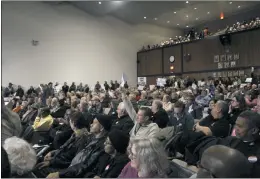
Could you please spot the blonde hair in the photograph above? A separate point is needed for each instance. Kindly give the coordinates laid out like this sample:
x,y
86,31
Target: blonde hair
x,y
151,157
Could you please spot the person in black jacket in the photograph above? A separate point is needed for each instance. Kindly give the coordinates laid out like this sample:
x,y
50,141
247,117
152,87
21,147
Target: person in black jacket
x,y
65,88
247,141
61,110
115,147
123,122
160,116
31,91
61,158
89,155
20,91
72,87
106,86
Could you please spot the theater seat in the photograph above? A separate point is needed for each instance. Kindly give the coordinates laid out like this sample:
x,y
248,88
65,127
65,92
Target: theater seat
x,y
41,137
177,171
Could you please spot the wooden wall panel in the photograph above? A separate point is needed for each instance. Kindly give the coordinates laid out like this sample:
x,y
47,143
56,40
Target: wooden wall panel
x,y
167,53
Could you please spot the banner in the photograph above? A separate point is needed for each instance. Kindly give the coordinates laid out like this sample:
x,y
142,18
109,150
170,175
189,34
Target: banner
x,y
141,81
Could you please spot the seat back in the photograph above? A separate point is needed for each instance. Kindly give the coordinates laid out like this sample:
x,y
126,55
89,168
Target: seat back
x,y
177,171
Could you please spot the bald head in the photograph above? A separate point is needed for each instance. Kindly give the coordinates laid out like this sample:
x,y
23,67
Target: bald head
x,y
223,162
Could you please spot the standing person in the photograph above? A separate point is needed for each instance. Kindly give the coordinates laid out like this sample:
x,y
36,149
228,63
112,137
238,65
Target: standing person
x,y
31,91
97,86
80,87
106,86
112,85
126,85
20,92
72,87
117,85
9,90
86,89
65,88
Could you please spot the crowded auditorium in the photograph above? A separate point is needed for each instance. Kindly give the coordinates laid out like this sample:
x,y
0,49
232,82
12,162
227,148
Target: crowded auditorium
x,y
130,89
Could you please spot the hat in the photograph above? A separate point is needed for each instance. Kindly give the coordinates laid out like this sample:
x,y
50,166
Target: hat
x,y
119,140
105,121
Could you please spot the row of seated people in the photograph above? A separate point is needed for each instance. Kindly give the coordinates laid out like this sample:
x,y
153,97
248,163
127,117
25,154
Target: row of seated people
x,y
192,35
84,150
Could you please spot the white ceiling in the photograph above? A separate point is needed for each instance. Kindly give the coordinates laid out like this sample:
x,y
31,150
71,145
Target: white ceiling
x,y
171,14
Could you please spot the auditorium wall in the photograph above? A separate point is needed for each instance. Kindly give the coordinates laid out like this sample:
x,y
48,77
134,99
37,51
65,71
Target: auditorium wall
x,y
73,45
206,57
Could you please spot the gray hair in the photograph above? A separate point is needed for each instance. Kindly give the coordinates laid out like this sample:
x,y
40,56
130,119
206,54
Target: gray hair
x,y
151,157
121,106
22,156
224,107
158,103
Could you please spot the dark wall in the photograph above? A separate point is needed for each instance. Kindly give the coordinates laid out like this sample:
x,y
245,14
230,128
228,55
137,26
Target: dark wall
x,y
246,45
149,63
172,51
244,53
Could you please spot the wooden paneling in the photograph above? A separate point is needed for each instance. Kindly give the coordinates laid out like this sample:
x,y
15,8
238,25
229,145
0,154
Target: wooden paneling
x,y
150,63
167,53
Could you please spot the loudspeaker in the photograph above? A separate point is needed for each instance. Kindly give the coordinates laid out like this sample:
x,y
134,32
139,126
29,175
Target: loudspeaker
x,y
225,39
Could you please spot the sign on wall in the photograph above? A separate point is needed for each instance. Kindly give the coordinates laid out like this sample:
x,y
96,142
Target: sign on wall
x,y
141,81
226,60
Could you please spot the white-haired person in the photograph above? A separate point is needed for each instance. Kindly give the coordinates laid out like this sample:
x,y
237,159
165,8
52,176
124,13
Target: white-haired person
x,y
22,157
123,121
148,159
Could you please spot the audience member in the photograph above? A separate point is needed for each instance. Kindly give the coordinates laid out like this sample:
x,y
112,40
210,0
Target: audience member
x,y
160,116
223,162
22,157
148,159
5,164
123,121
215,124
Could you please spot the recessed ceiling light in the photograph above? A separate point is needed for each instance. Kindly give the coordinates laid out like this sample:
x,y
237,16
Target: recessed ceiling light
x,y
195,8
178,24
144,17
238,6
197,18
175,12
99,2
187,2
168,22
208,12
230,2
187,16
187,26
155,19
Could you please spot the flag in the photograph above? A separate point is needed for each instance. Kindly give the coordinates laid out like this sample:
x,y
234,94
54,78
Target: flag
x,y
123,80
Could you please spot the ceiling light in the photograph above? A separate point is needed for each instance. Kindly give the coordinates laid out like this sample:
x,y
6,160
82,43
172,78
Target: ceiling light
x,y
187,2
175,12
178,24
208,12
155,18
195,8
144,17
230,2
187,16
197,18
238,6
187,26
99,2
168,22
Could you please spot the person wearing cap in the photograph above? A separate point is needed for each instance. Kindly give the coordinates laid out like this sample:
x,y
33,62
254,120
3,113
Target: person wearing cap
x,y
115,157
91,152
61,158
223,162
